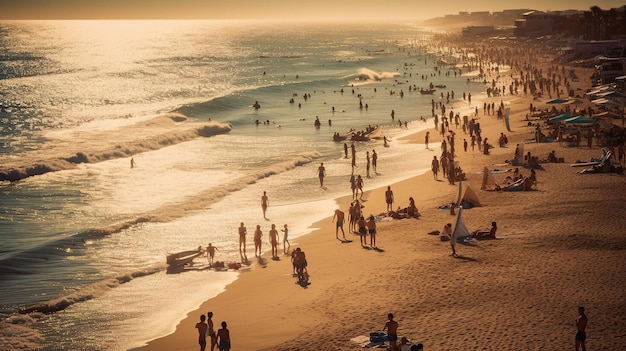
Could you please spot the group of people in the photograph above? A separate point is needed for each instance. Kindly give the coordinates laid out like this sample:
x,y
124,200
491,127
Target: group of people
x,y
221,338
273,239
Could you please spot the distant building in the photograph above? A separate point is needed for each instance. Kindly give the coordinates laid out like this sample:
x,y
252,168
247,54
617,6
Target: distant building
x,y
477,30
535,24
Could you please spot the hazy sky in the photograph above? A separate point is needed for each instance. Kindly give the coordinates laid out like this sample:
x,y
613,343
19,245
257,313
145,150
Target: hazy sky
x,y
274,9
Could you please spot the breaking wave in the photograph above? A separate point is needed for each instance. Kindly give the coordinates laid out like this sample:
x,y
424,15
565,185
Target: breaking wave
x,y
67,151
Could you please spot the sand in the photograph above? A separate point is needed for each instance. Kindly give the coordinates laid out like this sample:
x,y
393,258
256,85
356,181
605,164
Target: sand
x,y
558,247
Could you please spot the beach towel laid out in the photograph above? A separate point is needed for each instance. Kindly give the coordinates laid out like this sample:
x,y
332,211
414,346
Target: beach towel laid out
x,y
376,339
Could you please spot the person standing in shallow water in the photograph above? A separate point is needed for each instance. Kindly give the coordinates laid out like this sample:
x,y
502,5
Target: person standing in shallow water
x,y
321,172
274,241
258,234
286,244
374,160
242,239
264,203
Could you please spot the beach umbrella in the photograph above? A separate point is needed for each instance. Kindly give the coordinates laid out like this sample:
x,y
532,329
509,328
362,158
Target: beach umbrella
x,y
607,114
613,94
580,120
555,101
573,101
606,102
560,118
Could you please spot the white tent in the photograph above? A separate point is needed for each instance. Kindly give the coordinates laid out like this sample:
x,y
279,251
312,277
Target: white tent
x,y
460,230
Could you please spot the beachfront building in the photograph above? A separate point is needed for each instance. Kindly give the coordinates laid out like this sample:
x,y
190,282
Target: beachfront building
x,y
610,68
535,24
477,30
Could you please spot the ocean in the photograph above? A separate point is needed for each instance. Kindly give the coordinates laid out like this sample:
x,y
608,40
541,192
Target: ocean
x,y
85,239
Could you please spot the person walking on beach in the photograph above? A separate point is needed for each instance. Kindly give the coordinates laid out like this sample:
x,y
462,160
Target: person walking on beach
x,y
274,241
202,328
426,137
581,324
345,150
242,239
210,253
211,331
340,215
389,198
223,338
264,203
392,331
321,172
435,167
258,234
286,244
359,185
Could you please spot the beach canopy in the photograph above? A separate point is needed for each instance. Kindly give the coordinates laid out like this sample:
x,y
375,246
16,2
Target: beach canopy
x,y
600,89
607,114
580,120
607,94
460,230
556,101
471,197
573,101
606,102
560,117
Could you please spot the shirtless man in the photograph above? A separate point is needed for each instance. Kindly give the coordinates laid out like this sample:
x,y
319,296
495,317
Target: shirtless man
x,y
264,203
242,238
371,230
362,228
223,338
321,172
389,198
359,185
257,240
210,253
211,331
435,167
374,160
392,331
340,215
581,324
274,241
286,244
202,328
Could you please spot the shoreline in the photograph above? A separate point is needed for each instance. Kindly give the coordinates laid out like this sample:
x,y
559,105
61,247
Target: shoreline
x,y
550,246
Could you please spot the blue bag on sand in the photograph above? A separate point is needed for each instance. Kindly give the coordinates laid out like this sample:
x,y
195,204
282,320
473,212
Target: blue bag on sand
x,y
378,336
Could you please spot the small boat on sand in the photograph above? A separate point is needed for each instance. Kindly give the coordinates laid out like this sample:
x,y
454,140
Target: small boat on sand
x,y
182,258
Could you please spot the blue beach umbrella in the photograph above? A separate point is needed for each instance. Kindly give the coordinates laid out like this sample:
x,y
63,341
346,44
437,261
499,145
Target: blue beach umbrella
x,y
560,118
